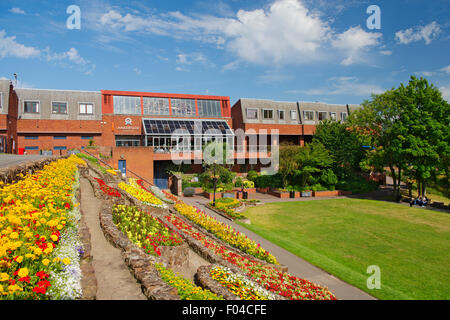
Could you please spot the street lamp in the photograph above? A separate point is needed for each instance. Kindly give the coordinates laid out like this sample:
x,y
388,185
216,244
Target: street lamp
x,y
215,182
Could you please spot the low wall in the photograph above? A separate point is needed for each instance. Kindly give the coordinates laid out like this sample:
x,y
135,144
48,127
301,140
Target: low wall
x,y
10,174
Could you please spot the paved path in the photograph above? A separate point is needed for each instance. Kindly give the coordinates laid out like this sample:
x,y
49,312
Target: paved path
x,y
297,266
7,160
114,280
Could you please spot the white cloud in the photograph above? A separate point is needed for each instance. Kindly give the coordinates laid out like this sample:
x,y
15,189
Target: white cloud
x,y
426,33
445,92
386,52
284,32
69,58
17,11
343,86
354,43
9,47
446,69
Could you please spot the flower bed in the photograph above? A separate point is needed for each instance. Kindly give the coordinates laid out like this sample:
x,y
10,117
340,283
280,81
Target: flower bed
x,y
142,195
146,231
224,232
268,277
39,244
107,189
226,206
186,289
239,285
160,194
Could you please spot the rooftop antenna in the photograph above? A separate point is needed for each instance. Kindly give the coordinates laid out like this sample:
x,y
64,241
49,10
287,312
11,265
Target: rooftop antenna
x,y
15,78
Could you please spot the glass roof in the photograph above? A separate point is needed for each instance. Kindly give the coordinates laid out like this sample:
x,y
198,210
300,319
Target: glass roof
x,y
163,127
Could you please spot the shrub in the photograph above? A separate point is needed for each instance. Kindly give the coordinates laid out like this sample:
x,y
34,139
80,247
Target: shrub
x,y
238,183
249,184
252,175
328,178
189,192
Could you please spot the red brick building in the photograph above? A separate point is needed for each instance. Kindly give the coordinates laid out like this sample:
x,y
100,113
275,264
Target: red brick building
x,y
140,133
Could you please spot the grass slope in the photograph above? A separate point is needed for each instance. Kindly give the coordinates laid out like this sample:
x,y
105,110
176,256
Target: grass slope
x,y
345,236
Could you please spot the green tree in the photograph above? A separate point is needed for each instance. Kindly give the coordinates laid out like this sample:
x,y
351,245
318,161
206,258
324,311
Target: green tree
x,y
409,128
344,145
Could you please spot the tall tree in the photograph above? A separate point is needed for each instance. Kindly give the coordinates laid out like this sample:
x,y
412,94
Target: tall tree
x,y
409,128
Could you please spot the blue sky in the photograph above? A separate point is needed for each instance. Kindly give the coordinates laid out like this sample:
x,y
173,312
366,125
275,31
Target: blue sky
x,y
287,50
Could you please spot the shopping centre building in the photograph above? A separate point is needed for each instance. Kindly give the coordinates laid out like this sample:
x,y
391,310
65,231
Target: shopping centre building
x,y
140,133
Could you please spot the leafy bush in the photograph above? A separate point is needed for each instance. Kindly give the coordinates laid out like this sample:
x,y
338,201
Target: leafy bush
x,y
252,175
249,184
238,183
189,192
357,184
328,178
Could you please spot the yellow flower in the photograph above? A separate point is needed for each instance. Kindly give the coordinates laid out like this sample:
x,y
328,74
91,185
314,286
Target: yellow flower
x,y
59,227
45,262
14,235
4,277
14,288
57,259
23,272
66,261
38,251
54,237
19,259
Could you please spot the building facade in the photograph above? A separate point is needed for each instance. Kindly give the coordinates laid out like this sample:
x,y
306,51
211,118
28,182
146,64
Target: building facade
x,y
140,132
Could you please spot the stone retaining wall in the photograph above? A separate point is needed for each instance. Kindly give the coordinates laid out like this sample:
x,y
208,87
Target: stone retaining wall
x,y
10,174
140,263
206,282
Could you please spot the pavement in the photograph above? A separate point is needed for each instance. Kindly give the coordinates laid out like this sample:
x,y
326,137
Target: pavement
x,y
7,160
114,280
296,265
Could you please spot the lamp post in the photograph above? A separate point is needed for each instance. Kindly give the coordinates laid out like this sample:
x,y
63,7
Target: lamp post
x,y
215,183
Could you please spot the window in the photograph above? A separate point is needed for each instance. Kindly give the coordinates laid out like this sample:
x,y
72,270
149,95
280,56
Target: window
x,y
333,116
281,114
156,106
1,100
32,148
322,115
60,148
87,138
293,115
59,107
86,108
309,115
267,114
183,107
128,141
344,116
60,137
31,107
252,114
31,137
127,105
209,108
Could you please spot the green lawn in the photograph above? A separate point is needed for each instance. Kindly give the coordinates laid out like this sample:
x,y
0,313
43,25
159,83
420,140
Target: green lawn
x,y
345,236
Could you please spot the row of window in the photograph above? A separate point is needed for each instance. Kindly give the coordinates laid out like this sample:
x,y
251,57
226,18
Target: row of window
x,y
30,148
268,114
160,106
57,107
58,137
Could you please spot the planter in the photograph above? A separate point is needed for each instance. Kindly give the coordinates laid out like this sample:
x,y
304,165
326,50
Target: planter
x,y
306,194
333,193
250,190
198,190
262,190
280,194
210,196
231,194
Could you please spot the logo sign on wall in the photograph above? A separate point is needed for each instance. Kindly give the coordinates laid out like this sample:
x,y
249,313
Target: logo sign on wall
x,y
128,125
